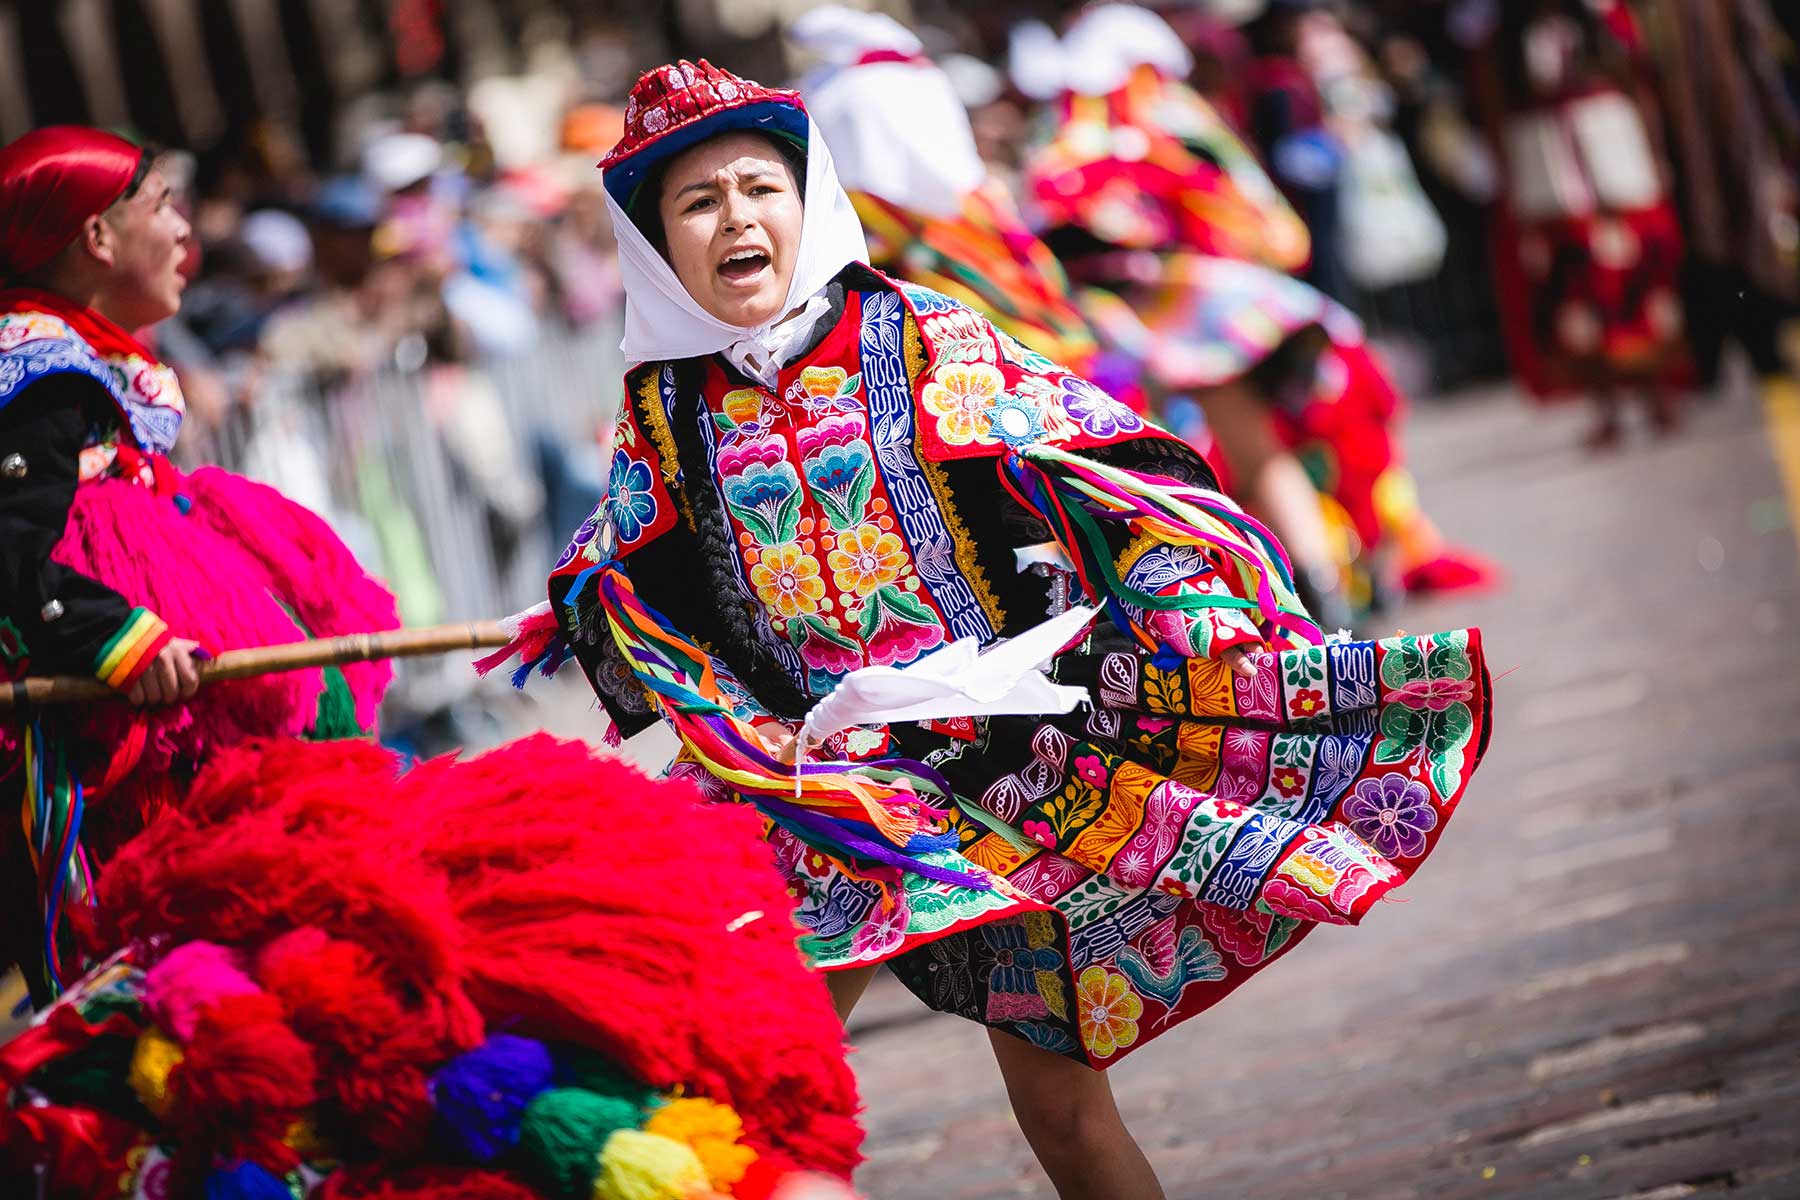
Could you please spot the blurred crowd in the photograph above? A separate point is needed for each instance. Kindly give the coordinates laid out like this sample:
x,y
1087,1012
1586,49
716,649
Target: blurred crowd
x,y
1593,195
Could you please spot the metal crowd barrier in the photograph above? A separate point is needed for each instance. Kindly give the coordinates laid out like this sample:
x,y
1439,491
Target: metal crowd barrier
x,y
450,481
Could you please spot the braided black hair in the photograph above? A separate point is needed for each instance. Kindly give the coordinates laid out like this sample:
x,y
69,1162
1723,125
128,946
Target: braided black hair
x,y
750,658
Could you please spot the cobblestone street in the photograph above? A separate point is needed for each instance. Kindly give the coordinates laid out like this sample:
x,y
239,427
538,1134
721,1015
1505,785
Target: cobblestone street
x,y
1593,989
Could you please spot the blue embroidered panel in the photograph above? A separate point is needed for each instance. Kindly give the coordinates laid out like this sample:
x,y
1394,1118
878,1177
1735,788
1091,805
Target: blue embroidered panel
x,y
891,417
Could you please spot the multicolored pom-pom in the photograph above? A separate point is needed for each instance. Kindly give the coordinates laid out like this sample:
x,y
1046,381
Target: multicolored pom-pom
x,y
645,1166
246,1181
712,1131
563,1133
481,1096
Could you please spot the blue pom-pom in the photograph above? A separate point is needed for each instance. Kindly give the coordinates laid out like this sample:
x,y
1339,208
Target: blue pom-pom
x,y
184,504
246,1181
481,1096
1166,659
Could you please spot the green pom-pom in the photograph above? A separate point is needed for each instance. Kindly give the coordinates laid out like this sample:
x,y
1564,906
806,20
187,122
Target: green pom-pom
x,y
592,1071
562,1135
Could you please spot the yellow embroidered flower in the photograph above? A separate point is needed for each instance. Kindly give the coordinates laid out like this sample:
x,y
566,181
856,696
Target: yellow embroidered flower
x,y
865,559
743,405
787,580
1109,1010
959,395
822,381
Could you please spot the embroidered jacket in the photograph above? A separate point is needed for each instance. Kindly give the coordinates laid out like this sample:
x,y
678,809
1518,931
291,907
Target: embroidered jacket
x,y
854,514
68,415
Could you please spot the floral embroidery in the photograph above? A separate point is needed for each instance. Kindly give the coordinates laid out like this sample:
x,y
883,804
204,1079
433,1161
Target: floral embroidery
x,y
787,580
1286,898
1109,1011
959,395
1431,684
632,502
841,479
897,627
1307,702
1090,770
821,390
1041,833
1023,980
866,559
1095,411
1288,781
1392,814
742,407
762,489
823,648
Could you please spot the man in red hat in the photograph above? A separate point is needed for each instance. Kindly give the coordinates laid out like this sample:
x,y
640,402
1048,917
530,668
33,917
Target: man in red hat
x,y
88,237
107,551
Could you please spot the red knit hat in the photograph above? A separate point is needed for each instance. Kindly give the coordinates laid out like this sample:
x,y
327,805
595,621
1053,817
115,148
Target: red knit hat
x,y
682,104
52,180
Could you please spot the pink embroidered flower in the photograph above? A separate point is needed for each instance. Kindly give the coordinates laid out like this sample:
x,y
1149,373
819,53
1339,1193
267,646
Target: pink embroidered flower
x,y
1041,833
1245,935
1436,694
1288,899
1307,702
1090,770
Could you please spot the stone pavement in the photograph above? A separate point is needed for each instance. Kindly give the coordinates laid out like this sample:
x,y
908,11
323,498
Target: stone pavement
x,y
1593,987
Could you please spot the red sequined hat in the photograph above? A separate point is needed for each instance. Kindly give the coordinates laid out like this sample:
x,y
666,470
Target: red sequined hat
x,y
684,103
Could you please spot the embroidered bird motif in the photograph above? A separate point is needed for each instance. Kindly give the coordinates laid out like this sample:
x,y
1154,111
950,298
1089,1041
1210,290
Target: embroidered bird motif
x,y
1194,960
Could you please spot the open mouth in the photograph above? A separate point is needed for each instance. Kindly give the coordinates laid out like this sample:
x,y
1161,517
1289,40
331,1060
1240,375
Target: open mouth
x,y
744,265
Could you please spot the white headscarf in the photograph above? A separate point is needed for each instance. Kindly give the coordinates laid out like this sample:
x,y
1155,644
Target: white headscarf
x,y
898,128
663,322
1097,54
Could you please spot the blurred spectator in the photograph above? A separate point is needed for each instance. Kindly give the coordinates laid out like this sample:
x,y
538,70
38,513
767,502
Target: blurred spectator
x,y
1588,250
1735,141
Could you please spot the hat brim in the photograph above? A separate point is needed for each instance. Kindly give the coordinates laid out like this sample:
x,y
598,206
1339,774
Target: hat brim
x,y
775,118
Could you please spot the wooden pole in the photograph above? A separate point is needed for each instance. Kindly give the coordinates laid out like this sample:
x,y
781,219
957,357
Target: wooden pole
x,y
266,660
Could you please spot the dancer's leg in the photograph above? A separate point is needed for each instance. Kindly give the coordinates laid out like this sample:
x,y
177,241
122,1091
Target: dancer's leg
x,y
847,988
1271,483
1073,1125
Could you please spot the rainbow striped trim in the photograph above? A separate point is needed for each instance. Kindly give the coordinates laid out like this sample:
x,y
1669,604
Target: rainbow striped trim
x,y
129,652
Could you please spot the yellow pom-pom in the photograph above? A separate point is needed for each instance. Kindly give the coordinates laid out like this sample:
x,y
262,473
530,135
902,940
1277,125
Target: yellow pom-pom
x,y
303,1138
155,1055
635,1165
712,1131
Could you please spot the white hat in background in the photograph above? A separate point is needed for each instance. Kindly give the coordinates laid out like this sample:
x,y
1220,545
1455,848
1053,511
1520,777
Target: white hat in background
x,y
277,240
394,161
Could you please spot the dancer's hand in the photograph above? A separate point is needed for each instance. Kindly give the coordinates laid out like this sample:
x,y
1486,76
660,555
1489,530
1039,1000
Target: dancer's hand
x,y
173,675
780,740
1239,661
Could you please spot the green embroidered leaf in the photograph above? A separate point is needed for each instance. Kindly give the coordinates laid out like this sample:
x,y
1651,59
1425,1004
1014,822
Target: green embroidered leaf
x,y
1402,663
849,386
1449,656
1402,729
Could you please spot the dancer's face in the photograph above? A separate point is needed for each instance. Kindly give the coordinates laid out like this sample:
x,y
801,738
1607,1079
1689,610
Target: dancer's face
x,y
731,215
142,240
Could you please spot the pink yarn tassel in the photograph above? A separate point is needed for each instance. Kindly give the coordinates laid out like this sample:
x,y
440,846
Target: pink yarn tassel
x,y
307,565
194,976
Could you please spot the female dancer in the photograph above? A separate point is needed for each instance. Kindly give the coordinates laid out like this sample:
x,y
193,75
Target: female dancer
x,y
819,469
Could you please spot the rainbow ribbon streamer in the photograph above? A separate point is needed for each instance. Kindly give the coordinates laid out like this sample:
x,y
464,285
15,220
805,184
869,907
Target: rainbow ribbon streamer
x,y
1073,494
871,817
52,819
